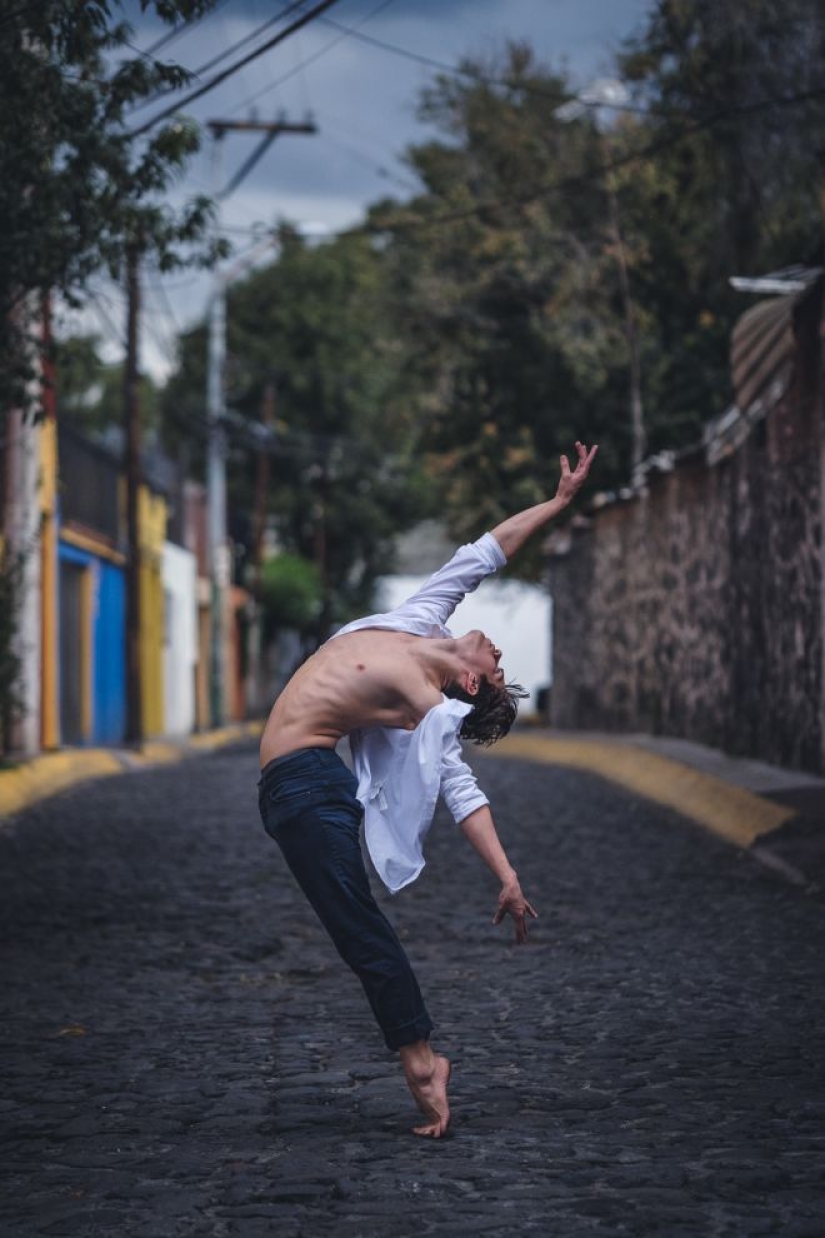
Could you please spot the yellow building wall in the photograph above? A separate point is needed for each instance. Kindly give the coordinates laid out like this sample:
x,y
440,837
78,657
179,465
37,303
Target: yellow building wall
x,y
152,533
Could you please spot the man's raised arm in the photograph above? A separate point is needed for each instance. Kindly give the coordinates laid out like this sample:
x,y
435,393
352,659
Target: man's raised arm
x,y
511,534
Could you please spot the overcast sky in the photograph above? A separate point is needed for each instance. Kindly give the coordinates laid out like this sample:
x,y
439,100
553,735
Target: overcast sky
x,y
362,98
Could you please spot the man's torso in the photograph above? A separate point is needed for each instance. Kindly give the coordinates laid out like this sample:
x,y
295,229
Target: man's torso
x,y
362,679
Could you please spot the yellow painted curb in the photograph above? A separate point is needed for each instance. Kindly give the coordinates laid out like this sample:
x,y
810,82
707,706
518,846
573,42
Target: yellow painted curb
x,y
45,775
735,814
224,735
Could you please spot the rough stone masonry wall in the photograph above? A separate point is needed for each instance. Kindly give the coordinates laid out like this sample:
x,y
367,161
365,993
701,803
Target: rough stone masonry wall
x,y
695,609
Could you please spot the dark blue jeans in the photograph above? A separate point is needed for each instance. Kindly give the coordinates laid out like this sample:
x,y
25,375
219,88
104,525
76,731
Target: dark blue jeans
x,y
308,805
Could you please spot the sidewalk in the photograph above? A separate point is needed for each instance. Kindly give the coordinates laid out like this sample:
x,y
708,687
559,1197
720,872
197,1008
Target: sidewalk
x,y
24,784
777,815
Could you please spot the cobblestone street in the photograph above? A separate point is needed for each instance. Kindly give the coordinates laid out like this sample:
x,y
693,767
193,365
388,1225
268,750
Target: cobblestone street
x,y
184,1054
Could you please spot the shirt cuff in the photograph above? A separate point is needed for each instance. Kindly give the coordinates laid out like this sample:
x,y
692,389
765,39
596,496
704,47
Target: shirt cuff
x,y
493,555
464,807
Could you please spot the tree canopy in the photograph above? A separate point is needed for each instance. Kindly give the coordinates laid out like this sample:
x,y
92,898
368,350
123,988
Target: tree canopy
x,y
442,356
345,476
76,189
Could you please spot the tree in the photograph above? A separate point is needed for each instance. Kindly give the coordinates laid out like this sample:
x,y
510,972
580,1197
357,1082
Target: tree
x,y
506,266
76,190
736,111
506,290
90,391
345,476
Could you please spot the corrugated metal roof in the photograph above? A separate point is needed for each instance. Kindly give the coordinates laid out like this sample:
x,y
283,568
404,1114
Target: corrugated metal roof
x,y
762,353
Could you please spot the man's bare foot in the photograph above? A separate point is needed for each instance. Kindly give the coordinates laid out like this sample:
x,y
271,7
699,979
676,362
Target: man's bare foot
x,y
429,1089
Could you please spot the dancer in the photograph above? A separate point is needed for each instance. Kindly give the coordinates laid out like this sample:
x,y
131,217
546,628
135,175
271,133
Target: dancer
x,y
405,691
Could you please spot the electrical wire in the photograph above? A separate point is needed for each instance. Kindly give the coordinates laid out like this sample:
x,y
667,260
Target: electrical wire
x,y
579,180
247,166
183,28
298,68
109,327
558,97
228,51
369,161
300,21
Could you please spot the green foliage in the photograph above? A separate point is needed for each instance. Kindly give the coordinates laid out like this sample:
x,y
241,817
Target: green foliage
x,y
506,264
480,327
508,294
290,594
75,189
736,98
344,473
11,705
90,392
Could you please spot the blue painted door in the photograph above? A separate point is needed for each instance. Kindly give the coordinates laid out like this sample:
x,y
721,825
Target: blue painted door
x,y
109,714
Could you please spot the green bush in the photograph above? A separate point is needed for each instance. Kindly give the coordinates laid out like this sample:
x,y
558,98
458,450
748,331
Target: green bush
x,y
290,594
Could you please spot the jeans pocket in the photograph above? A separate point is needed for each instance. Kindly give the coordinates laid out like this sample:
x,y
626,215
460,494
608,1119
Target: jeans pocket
x,y
278,809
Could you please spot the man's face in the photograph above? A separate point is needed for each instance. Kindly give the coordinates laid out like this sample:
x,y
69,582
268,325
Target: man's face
x,y
483,657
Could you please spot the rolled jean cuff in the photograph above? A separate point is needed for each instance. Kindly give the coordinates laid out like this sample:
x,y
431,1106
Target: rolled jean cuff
x,y
408,1033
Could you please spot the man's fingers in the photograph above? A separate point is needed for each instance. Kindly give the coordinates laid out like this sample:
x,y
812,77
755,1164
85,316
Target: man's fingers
x,y
585,459
565,466
499,916
532,910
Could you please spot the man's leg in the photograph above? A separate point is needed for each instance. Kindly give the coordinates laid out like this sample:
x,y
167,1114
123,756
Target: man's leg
x,y
322,849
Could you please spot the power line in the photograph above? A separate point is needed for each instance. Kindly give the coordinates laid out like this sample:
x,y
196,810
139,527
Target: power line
x,y
556,96
300,21
285,77
582,178
109,328
160,291
183,28
228,51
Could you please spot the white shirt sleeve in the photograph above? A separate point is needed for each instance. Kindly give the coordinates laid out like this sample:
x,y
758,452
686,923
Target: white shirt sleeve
x,y
438,597
461,792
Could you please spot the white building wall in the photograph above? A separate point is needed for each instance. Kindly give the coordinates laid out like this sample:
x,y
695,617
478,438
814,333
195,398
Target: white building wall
x,y
180,650
516,616
21,521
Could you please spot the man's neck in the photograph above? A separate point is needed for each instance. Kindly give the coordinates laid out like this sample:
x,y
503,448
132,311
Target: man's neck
x,y
440,662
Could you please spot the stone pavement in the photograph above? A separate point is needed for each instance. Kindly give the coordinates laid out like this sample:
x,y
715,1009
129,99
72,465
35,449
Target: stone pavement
x,y
183,1053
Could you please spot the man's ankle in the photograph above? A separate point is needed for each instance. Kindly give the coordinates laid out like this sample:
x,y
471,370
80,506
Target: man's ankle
x,y
418,1060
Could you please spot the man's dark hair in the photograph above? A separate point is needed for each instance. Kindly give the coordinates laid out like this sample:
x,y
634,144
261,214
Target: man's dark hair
x,y
493,713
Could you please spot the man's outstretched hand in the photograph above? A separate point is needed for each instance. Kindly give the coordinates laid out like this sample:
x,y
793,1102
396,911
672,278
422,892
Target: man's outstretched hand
x,y
511,902
571,482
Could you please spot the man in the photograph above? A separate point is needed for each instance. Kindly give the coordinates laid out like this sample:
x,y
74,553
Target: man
x,y
405,691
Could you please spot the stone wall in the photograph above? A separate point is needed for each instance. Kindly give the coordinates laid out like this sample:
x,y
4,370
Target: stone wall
x,y
695,608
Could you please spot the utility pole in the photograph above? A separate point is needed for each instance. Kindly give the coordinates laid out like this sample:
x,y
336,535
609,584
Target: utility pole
x,y
257,687
820,423
262,483
131,446
215,409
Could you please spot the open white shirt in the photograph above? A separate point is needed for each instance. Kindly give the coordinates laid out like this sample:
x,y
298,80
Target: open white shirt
x,y
400,773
